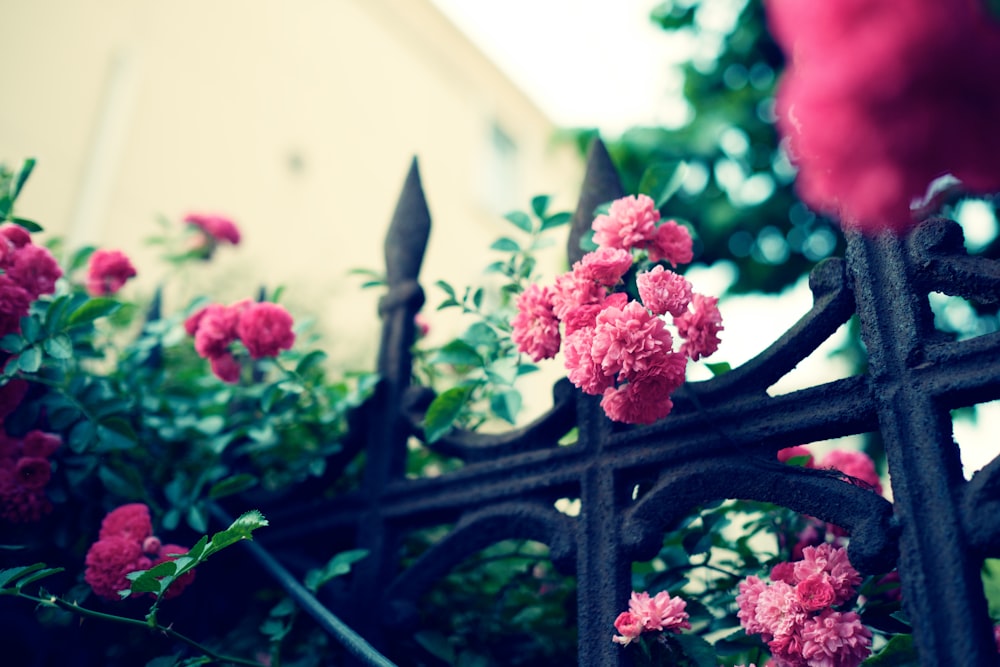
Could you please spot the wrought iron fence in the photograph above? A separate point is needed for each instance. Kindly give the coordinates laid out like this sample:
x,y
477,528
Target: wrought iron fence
x,y
719,442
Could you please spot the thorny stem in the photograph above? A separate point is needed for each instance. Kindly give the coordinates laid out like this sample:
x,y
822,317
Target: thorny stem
x,y
167,630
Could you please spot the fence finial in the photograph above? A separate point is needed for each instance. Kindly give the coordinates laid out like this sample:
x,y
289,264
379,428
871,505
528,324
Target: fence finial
x,y
600,184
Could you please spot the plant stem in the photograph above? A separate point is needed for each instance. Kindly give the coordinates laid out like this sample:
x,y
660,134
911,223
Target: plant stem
x,y
168,631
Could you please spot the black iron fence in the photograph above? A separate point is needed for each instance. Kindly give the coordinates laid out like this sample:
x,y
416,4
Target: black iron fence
x,y
719,442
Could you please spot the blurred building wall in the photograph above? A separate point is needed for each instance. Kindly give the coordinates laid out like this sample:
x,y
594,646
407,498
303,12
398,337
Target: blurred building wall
x,y
298,119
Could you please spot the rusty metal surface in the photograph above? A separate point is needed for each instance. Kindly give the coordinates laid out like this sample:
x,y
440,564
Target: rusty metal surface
x,y
719,442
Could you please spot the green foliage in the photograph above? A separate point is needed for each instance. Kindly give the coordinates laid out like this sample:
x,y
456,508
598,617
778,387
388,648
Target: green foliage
x,y
475,373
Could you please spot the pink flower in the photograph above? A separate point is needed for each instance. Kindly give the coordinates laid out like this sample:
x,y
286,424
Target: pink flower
x,y
778,610
35,269
226,367
109,270
218,227
854,464
108,560
575,289
664,291
700,327
266,329
129,521
746,601
835,639
881,98
584,371
660,612
672,243
536,327
629,341
643,401
833,562
784,571
37,443
815,593
586,316
605,266
630,221
630,627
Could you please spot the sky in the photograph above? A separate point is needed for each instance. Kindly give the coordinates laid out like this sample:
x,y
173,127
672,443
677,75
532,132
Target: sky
x,y
586,63
604,64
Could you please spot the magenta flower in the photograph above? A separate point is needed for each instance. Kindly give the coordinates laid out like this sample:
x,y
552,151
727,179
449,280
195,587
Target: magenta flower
x,y
584,371
630,222
125,544
109,270
130,521
664,291
108,561
44,445
778,610
798,451
35,269
33,472
265,329
226,367
700,327
826,559
536,327
15,303
642,400
219,228
574,289
660,612
16,235
215,330
875,102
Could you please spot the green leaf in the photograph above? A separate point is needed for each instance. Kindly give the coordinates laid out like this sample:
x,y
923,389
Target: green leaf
x,y
437,645
337,566
12,343
92,309
698,650
505,244
59,347
30,225
520,220
556,220
111,440
448,289
30,360
719,368
231,485
458,353
899,652
241,529
506,405
196,518
198,550
539,205
37,575
14,573
662,180
310,361
22,175
443,411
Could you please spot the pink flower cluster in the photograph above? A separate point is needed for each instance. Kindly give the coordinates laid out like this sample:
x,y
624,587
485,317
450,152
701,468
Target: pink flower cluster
x,y
795,612
650,614
28,271
109,270
264,329
881,97
126,544
615,347
25,469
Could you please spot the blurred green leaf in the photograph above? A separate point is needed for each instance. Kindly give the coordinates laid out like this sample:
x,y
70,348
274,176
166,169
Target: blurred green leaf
x,y
443,411
662,180
22,176
232,485
92,309
337,566
520,220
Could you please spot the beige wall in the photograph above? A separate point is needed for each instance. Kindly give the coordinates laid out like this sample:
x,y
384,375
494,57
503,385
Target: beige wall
x,y
296,118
